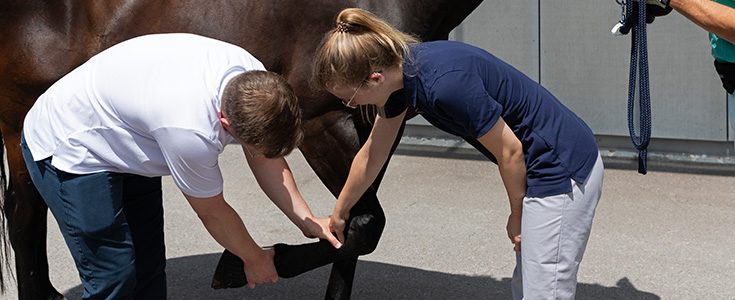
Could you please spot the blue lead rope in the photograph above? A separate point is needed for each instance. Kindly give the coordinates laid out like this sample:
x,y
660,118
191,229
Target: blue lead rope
x,y
638,61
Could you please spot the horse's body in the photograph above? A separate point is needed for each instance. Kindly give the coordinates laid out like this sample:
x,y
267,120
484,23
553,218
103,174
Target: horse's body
x,y
40,41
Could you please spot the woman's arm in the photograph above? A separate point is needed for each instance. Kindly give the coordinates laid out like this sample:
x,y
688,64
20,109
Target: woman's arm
x,y
712,16
508,150
365,168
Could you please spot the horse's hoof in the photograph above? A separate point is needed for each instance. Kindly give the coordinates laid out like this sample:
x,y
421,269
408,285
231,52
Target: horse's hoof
x,y
229,272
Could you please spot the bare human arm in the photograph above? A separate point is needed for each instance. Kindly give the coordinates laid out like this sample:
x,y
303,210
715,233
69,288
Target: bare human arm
x,y
276,180
712,16
365,168
227,228
508,150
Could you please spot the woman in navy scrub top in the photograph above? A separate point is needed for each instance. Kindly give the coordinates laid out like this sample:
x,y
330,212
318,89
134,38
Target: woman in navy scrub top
x,y
547,156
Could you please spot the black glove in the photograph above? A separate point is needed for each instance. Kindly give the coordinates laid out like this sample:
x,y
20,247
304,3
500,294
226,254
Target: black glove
x,y
656,8
659,3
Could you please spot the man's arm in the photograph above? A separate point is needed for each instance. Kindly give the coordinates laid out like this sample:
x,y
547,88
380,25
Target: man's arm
x,y
712,16
276,180
227,228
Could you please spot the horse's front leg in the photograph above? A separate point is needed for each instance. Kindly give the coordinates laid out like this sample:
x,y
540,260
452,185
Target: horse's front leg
x,y
330,144
26,214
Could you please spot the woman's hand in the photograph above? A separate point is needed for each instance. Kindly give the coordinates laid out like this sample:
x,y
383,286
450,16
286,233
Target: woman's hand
x,y
319,228
337,225
514,231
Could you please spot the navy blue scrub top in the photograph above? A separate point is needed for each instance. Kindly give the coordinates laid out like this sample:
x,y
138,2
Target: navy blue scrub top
x,y
463,90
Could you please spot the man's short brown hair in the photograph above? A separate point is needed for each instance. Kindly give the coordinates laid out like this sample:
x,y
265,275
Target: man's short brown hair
x,y
264,112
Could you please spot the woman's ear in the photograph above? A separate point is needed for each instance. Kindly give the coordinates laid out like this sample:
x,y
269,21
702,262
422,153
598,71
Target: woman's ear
x,y
377,77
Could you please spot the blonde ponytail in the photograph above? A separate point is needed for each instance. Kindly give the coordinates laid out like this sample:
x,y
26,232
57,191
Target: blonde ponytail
x,y
360,44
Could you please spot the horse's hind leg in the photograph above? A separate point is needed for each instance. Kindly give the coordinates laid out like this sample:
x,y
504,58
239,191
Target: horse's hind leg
x,y
26,214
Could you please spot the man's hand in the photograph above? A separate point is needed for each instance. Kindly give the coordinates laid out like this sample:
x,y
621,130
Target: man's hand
x,y
337,225
514,231
260,269
319,228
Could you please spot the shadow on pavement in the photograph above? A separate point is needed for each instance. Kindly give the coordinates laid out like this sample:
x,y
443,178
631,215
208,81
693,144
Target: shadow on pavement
x,y
189,278
621,163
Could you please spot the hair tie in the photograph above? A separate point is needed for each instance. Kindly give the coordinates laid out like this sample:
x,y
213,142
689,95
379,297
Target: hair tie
x,y
342,27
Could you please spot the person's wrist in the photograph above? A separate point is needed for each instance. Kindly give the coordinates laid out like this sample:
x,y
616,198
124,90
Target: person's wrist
x,y
339,214
305,224
251,255
307,218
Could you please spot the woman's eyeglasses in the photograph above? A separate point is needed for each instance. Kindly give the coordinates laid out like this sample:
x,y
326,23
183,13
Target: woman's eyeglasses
x,y
349,102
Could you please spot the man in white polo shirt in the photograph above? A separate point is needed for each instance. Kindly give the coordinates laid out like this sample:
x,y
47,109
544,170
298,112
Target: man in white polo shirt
x,y
97,142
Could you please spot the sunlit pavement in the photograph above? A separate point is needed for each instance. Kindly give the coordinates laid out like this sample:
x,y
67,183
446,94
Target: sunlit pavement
x,y
663,235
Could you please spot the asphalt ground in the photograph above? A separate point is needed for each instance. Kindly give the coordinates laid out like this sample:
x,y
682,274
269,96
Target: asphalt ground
x,y
664,235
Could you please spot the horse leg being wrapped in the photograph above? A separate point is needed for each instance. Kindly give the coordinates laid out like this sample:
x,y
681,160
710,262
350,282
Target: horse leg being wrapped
x,y
367,221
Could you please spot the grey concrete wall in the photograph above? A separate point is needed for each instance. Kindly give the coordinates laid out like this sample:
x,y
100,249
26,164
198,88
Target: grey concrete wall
x,y
587,68
566,45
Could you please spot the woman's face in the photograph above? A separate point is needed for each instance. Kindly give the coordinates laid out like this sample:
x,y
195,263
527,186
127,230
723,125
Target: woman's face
x,y
374,90
362,94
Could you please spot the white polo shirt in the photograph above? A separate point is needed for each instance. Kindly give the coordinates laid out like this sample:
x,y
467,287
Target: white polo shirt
x,y
148,106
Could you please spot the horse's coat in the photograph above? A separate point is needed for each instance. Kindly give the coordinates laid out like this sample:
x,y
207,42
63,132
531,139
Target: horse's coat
x,y
40,41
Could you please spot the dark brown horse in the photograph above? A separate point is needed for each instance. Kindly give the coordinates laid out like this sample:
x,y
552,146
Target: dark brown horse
x,y
42,40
